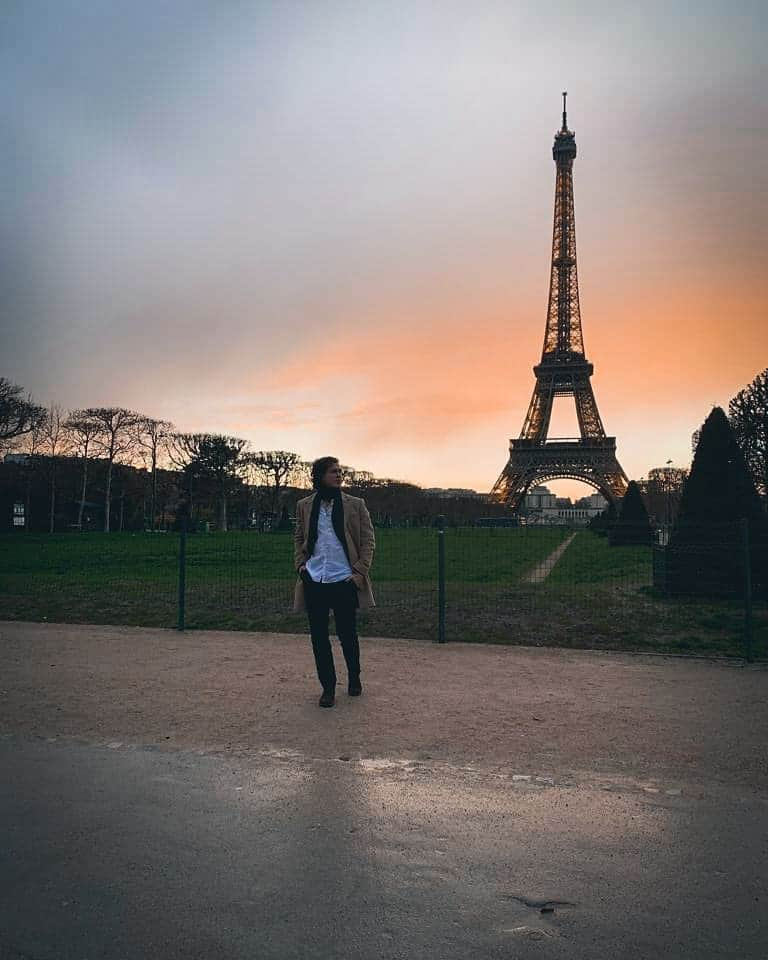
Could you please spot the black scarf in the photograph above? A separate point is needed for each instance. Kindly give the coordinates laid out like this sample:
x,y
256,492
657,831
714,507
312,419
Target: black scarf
x,y
337,518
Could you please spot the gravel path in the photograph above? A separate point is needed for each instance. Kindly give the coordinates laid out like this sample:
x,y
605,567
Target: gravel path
x,y
525,709
184,796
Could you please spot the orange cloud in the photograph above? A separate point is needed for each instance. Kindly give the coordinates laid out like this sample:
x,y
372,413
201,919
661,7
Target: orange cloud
x,y
426,380
416,383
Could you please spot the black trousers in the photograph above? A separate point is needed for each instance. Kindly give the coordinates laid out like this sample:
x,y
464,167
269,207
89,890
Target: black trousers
x,y
341,597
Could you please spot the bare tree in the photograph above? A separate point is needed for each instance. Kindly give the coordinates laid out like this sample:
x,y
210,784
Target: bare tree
x,y
662,492
253,481
347,474
183,454
214,456
18,415
274,467
359,479
152,437
83,431
55,442
115,439
301,475
167,493
748,416
129,485
222,460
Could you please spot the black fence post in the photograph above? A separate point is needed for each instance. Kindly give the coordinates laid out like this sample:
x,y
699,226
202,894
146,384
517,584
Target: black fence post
x,y
441,579
747,591
183,514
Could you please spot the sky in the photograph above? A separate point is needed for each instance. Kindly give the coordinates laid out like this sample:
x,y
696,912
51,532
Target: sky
x,y
326,226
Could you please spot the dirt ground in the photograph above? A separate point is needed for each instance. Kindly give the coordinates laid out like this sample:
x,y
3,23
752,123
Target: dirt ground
x,y
555,711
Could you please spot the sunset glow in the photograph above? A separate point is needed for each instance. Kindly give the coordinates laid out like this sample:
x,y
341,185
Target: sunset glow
x,y
327,228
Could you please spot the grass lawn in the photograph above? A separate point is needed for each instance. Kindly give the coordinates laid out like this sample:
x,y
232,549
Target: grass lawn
x,y
595,596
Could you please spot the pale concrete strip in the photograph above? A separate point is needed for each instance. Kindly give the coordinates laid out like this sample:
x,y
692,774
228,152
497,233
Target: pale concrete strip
x,y
542,570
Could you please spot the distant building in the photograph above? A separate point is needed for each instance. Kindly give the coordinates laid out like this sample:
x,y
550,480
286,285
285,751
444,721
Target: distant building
x,y
570,515
542,507
15,458
595,501
539,498
446,492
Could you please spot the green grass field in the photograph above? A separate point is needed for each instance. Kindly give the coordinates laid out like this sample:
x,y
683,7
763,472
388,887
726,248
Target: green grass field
x,y
595,596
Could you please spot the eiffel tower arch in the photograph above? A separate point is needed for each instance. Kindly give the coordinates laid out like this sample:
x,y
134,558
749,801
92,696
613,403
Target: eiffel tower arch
x,y
564,370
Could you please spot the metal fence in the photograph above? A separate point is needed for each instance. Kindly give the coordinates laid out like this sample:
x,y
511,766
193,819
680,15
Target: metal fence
x,y
557,585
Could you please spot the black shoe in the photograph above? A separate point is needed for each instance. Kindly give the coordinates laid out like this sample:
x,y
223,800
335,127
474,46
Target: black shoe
x,y
355,688
328,698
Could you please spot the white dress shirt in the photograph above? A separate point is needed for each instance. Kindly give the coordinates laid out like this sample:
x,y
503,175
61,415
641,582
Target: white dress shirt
x,y
328,562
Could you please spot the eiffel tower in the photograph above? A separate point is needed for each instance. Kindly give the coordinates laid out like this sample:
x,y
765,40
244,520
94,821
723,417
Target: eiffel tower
x,y
563,371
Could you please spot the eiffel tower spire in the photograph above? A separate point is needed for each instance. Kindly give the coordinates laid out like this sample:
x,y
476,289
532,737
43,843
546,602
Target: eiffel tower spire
x,y
563,334
563,370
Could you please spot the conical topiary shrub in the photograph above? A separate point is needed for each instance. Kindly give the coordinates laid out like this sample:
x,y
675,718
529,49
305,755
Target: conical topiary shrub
x,y
602,523
632,524
705,555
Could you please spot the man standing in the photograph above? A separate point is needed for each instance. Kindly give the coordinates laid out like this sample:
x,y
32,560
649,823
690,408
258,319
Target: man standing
x,y
333,551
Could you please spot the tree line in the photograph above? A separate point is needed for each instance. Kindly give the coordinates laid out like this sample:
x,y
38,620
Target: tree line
x,y
148,466
87,452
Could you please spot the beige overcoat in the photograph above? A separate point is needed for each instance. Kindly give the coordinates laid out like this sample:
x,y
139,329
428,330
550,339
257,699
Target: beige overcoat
x,y
361,543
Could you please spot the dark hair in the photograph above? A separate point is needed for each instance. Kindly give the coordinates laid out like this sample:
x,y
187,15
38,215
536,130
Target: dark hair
x,y
319,467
